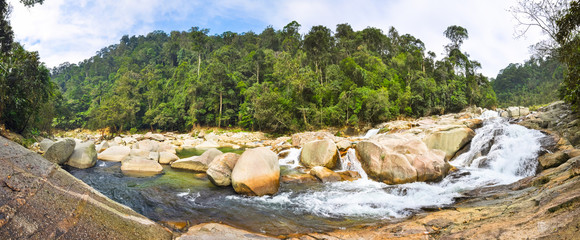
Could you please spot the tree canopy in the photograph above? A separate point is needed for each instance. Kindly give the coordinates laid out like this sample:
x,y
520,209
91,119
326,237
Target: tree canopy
x,y
277,80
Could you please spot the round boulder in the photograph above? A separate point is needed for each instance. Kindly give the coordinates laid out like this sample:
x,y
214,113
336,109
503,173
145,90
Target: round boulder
x,y
257,172
60,151
141,166
83,156
320,153
449,140
220,169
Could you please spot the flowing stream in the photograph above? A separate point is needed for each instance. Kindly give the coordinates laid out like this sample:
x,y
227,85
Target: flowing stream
x,y
500,153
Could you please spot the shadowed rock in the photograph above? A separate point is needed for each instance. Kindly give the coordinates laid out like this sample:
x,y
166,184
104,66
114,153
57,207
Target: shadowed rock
x,y
39,200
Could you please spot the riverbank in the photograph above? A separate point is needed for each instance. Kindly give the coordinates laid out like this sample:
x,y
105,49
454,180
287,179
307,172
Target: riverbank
x,y
547,199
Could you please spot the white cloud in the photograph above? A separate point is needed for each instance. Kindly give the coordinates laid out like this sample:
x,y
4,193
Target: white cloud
x,y
67,30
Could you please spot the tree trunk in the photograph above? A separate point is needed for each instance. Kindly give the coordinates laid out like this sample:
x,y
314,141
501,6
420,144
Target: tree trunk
x,y
198,64
220,116
257,73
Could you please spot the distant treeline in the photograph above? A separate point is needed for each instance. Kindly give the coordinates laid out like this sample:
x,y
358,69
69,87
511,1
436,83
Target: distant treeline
x,y
278,80
535,82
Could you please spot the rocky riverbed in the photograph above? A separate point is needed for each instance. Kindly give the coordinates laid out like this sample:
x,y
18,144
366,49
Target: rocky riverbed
x,y
398,152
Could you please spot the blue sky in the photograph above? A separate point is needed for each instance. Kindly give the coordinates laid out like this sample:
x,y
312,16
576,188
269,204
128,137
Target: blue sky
x,y
73,30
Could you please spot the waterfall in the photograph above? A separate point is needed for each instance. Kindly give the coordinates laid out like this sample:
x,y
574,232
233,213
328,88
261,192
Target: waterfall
x,y
351,163
372,132
504,148
292,159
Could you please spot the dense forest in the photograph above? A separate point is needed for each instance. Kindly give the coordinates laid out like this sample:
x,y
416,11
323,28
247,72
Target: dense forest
x,y
535,82
278,80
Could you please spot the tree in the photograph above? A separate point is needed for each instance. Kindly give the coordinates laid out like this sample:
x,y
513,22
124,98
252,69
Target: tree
x,y
569,52
541,14
318,44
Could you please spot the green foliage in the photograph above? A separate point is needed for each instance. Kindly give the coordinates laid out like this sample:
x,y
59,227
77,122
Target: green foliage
x,y
569,53
278,80
535,82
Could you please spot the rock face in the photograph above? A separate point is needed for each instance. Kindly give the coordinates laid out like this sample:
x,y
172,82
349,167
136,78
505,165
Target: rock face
x,y
400,158
257,172
60,151
114,154
320,153
220,169
41,201
83,156
557,117
449,140
324,174
197,163
211,231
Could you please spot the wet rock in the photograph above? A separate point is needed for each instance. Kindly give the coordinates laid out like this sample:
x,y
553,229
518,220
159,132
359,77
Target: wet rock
x,y
83,156
210,231
349,175
449,140
167,157
60,151
197,163
320,153
550,160
220,169
324,174
257,172
298,178
42,201
343,145
114,154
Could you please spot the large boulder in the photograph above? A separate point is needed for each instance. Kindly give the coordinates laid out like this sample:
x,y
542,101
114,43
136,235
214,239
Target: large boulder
x,y
382,164
197,163
324,174
114,154
83,156
320,153
141,166
400,158
220,169
42,201
257,172
167,157
60,151
449,139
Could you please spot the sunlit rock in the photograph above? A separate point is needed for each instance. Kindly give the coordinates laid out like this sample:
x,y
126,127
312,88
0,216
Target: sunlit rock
x,y
257,172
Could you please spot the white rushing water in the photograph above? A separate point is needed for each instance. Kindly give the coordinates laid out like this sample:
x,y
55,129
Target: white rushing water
x,y
500,153
292,159
372,132
351,163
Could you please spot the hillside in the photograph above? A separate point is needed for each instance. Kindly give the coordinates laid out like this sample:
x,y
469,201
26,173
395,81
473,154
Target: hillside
x,y
535,82
278,80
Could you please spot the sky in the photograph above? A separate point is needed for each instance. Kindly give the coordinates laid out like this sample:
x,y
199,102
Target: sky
x,y
74,30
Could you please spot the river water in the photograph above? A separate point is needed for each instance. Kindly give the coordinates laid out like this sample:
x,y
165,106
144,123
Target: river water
x,y
500,153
